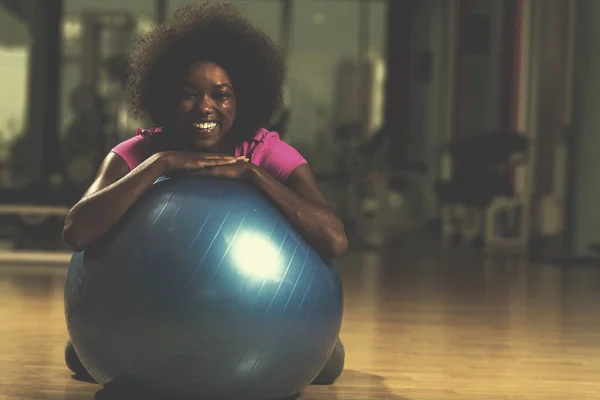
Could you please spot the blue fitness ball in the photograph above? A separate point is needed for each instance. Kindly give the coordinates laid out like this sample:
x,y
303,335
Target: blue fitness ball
x,y
204,289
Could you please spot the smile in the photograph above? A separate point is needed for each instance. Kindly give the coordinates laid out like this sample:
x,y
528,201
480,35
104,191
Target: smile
x,y
205,126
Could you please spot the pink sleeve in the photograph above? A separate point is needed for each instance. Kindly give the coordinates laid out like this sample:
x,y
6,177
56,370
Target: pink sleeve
x,y
277,157
134,151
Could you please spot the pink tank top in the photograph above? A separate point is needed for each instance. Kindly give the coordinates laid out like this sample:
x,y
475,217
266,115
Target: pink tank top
x,y
265,150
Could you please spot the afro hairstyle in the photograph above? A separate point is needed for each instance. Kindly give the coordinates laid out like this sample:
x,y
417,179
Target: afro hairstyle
x,y
207,31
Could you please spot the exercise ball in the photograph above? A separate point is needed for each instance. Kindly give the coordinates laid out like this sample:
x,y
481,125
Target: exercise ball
x,y
203,289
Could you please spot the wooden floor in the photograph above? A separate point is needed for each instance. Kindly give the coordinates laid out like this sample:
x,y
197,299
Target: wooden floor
x,y
416,327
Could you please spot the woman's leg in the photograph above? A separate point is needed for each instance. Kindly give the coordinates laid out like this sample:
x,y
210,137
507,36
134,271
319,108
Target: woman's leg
x,y
75,365
334,367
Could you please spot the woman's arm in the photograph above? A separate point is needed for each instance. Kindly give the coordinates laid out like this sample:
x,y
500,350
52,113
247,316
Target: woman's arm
x,y
306,208
114,190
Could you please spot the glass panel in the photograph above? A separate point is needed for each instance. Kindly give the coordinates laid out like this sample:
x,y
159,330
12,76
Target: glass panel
x,y
97,39
377,26
330,82
15,48
264,13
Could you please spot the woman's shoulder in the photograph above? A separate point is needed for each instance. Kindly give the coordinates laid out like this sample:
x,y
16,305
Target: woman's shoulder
x,y
275,155
266,140
139,147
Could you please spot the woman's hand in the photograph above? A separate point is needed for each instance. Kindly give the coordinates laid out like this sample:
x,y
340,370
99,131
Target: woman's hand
x,y
241,170
183,161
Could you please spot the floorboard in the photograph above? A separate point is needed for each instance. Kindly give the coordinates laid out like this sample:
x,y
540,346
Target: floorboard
x,y
418,327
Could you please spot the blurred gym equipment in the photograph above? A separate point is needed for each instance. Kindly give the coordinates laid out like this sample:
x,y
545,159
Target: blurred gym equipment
x,y
479,200
370,179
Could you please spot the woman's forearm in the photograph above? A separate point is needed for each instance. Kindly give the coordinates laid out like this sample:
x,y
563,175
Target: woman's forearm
x,y
319,224
95,214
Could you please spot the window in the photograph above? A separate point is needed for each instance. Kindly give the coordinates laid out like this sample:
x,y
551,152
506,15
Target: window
x,y
329,42
97,39
15,49
264,13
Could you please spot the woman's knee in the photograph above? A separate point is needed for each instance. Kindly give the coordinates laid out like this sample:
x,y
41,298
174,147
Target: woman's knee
x,y
334,366
74,363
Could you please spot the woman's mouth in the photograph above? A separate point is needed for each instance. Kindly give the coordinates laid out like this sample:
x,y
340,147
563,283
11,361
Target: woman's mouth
x,y
205,127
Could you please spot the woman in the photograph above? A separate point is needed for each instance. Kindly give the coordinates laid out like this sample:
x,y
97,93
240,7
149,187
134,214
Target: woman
x,y
209,81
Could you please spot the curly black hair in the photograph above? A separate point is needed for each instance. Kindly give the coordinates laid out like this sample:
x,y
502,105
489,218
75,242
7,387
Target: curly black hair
x,y
207,31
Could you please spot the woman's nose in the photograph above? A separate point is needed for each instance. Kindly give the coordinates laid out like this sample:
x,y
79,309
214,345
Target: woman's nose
x,y
206,104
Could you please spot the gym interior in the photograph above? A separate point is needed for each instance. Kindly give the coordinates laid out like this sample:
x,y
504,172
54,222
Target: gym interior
x,y
451,137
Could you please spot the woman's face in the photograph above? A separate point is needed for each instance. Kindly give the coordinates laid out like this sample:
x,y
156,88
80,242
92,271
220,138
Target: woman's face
x,y
206,105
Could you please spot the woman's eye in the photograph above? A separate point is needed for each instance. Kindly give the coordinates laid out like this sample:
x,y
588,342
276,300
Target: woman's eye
x,y
224,95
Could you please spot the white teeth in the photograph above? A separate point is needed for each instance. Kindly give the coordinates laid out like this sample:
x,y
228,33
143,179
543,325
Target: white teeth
x,y
206,126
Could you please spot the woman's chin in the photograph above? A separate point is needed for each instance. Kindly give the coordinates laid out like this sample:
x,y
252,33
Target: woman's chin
x,y
200,140
206,143
203,141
